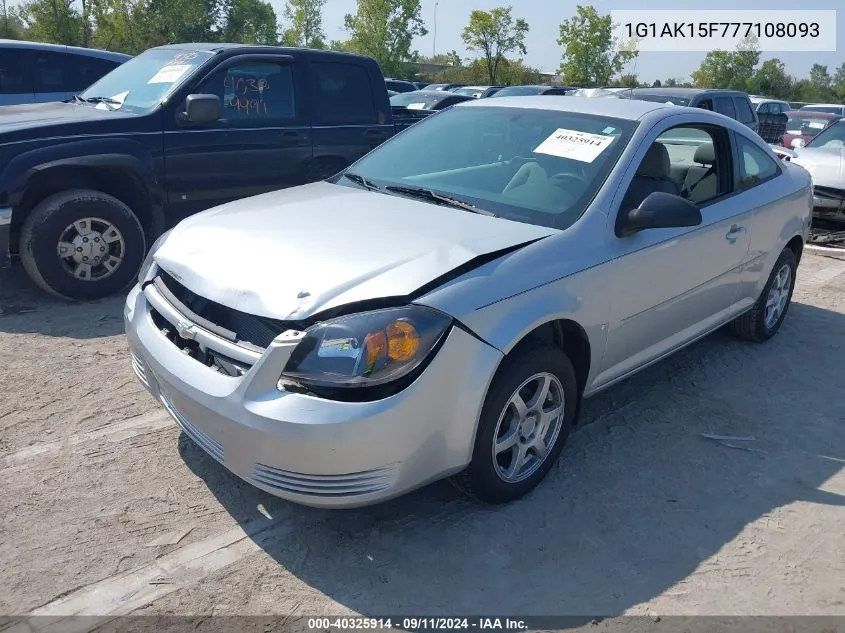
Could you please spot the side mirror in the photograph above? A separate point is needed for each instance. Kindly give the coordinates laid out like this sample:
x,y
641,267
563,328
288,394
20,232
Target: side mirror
x,y
659,211
202,109
797,143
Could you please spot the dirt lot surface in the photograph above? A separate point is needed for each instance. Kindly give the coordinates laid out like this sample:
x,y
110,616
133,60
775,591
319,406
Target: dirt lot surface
x,y
642,515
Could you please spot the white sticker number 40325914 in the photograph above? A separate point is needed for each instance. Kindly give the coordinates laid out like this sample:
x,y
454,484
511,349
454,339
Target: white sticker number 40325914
x,y
575,145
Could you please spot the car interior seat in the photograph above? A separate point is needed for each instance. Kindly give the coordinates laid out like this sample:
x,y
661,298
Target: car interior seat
x,y
653,175
701,181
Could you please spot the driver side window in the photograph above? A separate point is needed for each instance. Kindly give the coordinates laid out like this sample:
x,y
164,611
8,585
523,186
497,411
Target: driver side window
x,y
253,92
683,161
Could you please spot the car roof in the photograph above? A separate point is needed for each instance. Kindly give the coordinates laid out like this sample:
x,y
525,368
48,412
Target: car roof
x,y
430,94
630,110
755,99
824,105
683,92
222,47
61,48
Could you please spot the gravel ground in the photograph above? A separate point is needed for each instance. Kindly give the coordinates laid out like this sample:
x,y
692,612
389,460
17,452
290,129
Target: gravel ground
x,y
641,515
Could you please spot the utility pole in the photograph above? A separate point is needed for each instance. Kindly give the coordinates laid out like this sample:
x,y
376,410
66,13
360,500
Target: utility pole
x,y
434,45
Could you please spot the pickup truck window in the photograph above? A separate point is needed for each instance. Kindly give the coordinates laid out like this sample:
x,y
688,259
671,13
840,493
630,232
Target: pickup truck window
x,y
725,106
15,72
342,94
51,73
143,82
254,91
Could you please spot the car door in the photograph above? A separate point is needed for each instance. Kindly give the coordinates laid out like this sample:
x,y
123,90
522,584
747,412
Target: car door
x,y
769,209
669,286
262,143
17,85
345,120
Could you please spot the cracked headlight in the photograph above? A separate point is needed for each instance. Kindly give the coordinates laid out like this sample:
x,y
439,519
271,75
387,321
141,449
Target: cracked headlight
x,y
367,349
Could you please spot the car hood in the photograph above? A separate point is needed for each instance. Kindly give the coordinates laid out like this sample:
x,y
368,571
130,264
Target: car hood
x,y
25,117
294,253
826,166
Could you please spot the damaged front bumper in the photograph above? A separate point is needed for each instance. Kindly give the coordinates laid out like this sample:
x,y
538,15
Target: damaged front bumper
x,y
829,203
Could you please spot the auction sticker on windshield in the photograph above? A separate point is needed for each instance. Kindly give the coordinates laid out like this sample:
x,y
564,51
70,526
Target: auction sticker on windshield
x,y
575,145
169,74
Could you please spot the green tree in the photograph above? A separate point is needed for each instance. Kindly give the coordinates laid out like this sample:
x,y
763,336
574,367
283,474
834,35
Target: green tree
x,y
733,70
305,19
118,25
771,80
839,82
591,55
56,21
11,26
495,33
250,22
385,30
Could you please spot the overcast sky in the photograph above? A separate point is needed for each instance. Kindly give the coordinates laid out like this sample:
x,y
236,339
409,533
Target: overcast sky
x,y
545,16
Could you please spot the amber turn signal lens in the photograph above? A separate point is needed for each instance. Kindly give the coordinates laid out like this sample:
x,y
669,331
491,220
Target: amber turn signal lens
x,y
375,347
403,341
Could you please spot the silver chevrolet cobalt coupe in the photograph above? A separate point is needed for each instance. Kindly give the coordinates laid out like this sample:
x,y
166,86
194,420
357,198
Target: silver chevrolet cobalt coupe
x,y
441,307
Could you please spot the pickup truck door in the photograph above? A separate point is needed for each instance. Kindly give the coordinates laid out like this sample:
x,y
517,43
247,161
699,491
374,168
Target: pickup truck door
x,y
262,143
346,121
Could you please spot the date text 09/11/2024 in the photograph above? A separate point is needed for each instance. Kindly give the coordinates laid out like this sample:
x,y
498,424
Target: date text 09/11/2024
x,y
722,29
416,623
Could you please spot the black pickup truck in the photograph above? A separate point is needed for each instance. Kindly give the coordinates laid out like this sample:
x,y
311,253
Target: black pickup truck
x,y
87,184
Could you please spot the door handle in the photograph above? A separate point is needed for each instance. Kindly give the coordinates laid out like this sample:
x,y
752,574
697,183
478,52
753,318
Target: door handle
x,y
734,233
374,134
291,138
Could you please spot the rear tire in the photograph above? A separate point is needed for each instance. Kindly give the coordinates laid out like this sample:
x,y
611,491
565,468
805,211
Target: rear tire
x,y
82,244
506,428
764,319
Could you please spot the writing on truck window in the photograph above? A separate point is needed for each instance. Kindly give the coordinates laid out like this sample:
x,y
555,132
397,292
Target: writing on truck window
x,y
246,94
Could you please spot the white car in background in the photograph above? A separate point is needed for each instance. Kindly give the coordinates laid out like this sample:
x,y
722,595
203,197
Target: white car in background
x,y
831,108
824,157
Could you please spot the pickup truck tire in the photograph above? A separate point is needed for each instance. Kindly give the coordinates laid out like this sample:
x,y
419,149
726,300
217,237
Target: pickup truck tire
x,y
526,418
82,244
765,317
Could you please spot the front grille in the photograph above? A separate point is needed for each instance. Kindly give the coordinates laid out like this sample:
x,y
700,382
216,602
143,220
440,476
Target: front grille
x,y
829,192
348,485
237,326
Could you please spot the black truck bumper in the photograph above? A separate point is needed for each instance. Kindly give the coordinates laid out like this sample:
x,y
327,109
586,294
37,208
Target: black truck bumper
x,y
5,230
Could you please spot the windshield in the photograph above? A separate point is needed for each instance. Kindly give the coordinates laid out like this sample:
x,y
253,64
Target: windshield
x,y
416,100
806,125
832,137
144,81
541,167
516,91
468,92
828,109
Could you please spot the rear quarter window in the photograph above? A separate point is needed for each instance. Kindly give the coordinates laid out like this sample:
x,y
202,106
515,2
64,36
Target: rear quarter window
x,y
16,73
342,94
725,105
743,109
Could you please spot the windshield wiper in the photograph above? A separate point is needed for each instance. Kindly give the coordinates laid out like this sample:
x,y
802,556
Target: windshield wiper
x,y
360,180
75,99
428,194
106,100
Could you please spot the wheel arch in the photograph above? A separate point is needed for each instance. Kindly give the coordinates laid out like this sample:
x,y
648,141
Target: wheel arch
x,y
129,178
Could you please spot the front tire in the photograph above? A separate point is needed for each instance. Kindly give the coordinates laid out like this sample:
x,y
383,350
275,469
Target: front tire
x,y
764,319
82,244
526,418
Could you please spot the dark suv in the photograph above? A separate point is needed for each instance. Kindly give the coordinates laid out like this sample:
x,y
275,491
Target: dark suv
x,y
31,72
731,103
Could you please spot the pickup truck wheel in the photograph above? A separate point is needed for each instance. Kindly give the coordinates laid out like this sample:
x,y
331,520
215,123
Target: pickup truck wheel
x,y
82,244
525,420
764,319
